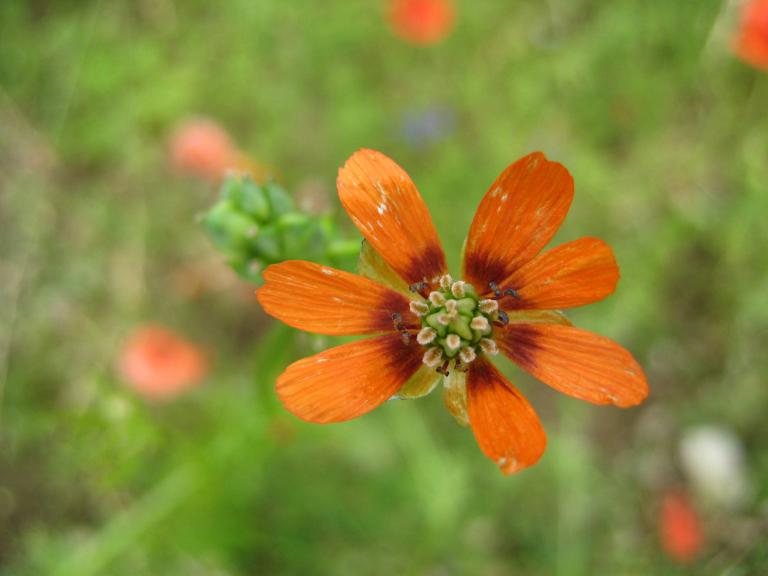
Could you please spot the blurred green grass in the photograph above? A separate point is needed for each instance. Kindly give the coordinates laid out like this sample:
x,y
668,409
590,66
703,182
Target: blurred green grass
x,y
666,136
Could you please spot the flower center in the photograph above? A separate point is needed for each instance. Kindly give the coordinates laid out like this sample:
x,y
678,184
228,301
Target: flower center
x,y
456,325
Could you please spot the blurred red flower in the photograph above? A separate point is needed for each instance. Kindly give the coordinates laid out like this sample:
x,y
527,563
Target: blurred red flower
x,y
422,21
751,43
159,364
203,148
680,527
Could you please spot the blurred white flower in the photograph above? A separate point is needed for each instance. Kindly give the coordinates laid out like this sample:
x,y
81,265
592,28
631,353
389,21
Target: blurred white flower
x,y
713,460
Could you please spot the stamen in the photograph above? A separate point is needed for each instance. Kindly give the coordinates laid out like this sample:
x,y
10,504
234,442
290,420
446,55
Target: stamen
x,y
419,308
433,357
457,289
453,342
479,323
503,318
451,306
437,298
511,292
495,289
467,355
489,346
446,281
418,287
426,336
444,368
488,306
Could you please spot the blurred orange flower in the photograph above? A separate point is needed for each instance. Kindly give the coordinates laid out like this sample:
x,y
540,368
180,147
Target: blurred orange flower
x,y
203,148
680,527
431,328
159,364
422,21
751,44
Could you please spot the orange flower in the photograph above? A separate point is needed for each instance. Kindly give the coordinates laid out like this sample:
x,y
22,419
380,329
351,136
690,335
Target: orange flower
x,y
203,148
159,364
751,43
432,327
680,528
422,21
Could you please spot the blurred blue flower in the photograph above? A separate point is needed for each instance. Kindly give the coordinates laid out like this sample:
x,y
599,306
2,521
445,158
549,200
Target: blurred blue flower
x,y
423,128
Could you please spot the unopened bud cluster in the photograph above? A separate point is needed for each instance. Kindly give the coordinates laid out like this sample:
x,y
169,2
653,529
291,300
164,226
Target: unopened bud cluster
x,y
255,225
455,323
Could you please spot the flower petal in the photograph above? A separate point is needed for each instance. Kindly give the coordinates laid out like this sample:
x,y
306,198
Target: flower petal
x,y
349,380
504,423
537,317
384,204
576,362
324,300
518,216
569,275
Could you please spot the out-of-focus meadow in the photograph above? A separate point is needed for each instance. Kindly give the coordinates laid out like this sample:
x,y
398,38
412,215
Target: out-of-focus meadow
x,y
665,131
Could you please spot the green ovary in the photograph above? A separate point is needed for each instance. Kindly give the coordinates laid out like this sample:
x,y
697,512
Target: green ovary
x,y
457,321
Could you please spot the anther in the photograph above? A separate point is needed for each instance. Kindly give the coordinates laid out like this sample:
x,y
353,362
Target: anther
x,y
419,308
397,321
418,287
479,323
489,346
452,342
488,306
503,318
433,357
445,282
495,289
513,293
436,298
426,336
467,355
457,289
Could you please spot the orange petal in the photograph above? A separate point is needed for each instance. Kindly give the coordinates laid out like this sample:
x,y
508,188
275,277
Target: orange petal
x,y
518,216
576,362
385,206
504,423
537,317
572,274
349,380
324,300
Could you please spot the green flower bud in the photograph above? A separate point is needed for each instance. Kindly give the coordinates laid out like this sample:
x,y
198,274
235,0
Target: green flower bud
x,y
228,228
278,199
